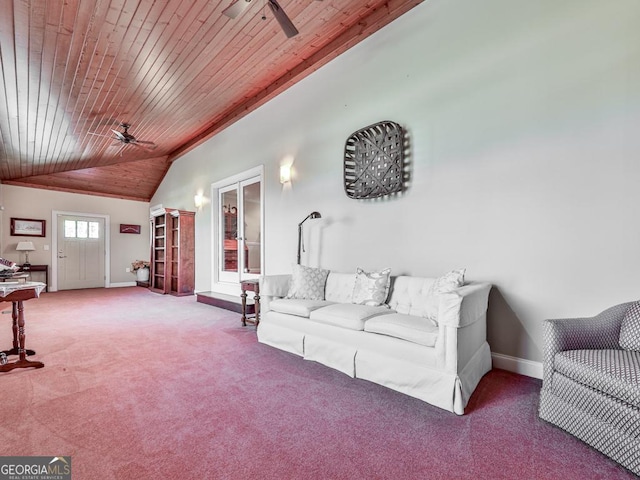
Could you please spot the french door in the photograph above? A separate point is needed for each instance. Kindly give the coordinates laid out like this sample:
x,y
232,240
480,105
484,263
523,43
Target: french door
x,y
240,230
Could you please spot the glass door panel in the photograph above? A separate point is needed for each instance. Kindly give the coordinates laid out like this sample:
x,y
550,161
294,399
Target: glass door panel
x,y
229,231
252,227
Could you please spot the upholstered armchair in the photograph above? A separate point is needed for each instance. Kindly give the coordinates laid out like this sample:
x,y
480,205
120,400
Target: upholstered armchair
x,y
591,383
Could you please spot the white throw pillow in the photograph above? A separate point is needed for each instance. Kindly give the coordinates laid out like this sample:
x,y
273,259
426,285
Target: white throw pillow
x,y
630,329
371,288
446,283
307,283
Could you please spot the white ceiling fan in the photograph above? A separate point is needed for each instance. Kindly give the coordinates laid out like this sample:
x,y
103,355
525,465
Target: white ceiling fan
x,y
239,6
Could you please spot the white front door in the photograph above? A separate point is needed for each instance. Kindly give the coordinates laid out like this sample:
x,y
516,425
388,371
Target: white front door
x,y
81,252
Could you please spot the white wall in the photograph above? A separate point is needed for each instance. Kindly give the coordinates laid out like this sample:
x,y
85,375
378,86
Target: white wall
x,y
523,120
22,202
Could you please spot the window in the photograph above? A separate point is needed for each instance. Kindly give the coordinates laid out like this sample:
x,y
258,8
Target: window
x,y
81,229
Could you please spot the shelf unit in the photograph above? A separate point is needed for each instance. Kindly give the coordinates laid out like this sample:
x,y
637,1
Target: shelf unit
x,y
172,252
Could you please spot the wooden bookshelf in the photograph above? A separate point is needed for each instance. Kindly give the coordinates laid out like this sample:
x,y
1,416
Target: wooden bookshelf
x,y
172,252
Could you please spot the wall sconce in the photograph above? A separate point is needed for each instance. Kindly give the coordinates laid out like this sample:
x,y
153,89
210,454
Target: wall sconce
x,y
285,173
198,200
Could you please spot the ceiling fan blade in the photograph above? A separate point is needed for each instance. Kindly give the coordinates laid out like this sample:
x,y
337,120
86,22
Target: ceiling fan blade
x,y
236,8
285,23
100,135
120,136
146,145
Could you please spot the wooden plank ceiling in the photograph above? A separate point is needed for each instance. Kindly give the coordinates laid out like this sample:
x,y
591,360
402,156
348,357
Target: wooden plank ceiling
x,y
177,71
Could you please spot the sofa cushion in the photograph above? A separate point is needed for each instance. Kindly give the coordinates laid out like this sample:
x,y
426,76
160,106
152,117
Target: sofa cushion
x,y
297,306
613,372
630,329
347,315
307,283
371,288
406,327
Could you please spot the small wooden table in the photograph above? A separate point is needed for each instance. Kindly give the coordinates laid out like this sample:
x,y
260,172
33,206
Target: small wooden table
x,y
38,268
17,296
252,286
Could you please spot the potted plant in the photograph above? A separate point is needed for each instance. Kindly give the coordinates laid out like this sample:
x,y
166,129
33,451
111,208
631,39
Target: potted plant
x,y
141,270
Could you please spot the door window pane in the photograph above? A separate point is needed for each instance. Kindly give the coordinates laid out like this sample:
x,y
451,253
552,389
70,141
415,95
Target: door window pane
x,y
94,230
229,212
252,227
70,229
82,229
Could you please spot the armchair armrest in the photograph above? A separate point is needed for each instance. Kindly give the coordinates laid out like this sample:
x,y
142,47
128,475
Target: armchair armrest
x,y
598,332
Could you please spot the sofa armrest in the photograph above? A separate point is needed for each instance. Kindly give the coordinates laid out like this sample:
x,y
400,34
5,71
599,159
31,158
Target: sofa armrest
x,y
272,287
462,325
600,331
465,305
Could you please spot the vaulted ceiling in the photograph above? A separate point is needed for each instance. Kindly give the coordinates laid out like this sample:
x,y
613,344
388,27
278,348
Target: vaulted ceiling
x,y
177,71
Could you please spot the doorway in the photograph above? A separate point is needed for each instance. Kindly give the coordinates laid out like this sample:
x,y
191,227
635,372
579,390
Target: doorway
x,y
79,251
239,239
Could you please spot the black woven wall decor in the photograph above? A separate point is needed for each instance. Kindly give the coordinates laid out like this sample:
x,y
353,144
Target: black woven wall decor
x,y
374,161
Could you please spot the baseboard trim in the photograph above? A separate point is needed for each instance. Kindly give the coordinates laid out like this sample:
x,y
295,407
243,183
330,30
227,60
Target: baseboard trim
x,y
122,284
517,365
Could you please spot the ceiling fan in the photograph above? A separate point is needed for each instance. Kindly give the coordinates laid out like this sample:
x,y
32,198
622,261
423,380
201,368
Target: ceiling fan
x,y
237,7
125,138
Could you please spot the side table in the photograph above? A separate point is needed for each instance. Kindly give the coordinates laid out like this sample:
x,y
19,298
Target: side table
x,y
252,286
37,268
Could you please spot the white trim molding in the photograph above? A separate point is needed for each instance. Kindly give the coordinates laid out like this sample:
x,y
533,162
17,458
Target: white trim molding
x,y
517,365
122,284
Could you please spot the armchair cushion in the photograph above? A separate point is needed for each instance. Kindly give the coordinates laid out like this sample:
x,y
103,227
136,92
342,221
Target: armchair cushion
x,y
630,328
610,371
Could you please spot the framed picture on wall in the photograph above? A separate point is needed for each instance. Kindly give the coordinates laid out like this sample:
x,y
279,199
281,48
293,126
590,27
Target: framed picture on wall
x,y
126,228
27,227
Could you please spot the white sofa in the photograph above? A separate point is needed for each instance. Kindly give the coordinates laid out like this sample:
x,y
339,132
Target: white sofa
x,y
440,362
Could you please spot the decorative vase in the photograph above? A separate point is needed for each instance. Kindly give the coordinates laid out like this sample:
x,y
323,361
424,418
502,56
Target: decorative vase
x,y
142,275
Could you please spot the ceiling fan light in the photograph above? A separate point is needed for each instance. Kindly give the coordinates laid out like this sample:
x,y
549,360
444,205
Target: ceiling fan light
x,y
236,8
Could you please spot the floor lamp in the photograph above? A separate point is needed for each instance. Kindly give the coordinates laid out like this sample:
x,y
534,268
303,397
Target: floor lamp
x,y
311,215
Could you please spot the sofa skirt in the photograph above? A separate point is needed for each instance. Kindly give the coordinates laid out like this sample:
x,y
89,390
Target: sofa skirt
x,y
409,368
449,391
286,339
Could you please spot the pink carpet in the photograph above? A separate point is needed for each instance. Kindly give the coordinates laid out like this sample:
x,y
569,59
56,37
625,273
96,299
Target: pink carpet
x,y
143,386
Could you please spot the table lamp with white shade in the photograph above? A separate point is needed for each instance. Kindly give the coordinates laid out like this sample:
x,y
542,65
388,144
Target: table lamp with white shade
x,y
25,247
